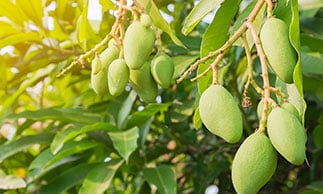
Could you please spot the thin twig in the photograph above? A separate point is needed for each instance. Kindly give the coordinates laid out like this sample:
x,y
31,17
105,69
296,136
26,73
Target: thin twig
x,y
265,77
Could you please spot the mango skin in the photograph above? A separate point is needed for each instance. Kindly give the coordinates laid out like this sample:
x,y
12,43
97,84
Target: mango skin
x,y
138,43
260,108
281,55
220,113
287,135
254,164
290,108
162,69
118,76
143,83
100,65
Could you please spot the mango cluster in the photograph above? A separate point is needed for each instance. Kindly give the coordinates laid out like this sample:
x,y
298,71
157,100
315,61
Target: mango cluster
x,y
112,70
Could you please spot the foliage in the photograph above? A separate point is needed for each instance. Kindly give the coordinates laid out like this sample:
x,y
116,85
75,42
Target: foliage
x,y
59,136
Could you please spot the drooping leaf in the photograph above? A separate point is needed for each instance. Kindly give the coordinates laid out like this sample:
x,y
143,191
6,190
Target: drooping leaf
x,y
68,179
125,142
15,146
181,63
198,13
215,36
158,20
11,181
100,177
72,132
126,108
163,177
20,38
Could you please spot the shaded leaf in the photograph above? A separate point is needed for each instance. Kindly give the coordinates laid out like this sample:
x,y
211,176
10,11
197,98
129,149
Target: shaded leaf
x,y
163,177
125,142
66,180
182,62
72,132
158,20
126,108
11,148
312,64
198,13
100,177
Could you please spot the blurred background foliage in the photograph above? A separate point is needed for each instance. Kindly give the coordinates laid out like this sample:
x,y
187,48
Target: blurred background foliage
x,y
58,136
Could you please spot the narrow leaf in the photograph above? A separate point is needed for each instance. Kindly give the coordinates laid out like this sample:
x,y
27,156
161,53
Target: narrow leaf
x,y
68,179
158,20
13,147
20,38
125,142
100,177
126,108
163,177
198,13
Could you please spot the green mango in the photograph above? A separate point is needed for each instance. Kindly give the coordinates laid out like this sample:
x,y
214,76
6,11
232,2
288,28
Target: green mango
x,y
287,135
138,44
281,55
146,20
100,65
162,69
220,113
143,83
254,164
118,76
260,108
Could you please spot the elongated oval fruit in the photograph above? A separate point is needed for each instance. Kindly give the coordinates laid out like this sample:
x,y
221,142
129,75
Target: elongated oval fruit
x,y
138,43
99,77
162,69
118,76
281,55
109,54
287,135
260,108
220,113
254,164
143,83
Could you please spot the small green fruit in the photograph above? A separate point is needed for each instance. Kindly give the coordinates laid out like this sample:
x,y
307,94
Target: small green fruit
x,y
281,55
162,69
99,77
109,54
118,76
254,164
145,20
287,135
138,43
143,83
260,108
220,113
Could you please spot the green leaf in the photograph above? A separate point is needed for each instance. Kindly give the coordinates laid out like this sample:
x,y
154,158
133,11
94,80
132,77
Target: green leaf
x,y
182,62
72,132
126,108
197,122
20,38
158,20
163,177
198,13
11,182
312,63
215,36
141,117
68,179
62,114
125,142
12,12
32,9
11,148
310,4
100,177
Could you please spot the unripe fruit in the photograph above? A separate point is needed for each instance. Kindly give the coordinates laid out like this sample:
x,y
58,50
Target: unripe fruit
x,y
100,65
287,135
138,43
280,53
143,83
162,69
118,76
220,113
260,108
254,164
99,77
290,108
145,20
